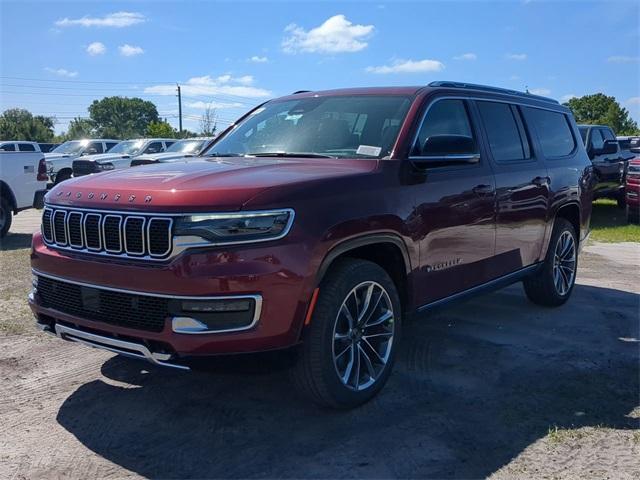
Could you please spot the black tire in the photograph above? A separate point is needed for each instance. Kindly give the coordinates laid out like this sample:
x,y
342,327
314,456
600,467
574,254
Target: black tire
x,y
62,176
541,288
6,216
621,201
315,372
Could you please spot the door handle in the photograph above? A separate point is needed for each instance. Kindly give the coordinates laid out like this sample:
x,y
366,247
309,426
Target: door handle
x,y
541,181
483,189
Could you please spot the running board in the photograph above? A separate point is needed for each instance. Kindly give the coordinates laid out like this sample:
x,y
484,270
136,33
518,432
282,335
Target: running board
x,y
494,284
122,347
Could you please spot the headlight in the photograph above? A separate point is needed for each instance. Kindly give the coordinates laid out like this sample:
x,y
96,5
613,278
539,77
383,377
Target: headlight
x,y
225,228
104,166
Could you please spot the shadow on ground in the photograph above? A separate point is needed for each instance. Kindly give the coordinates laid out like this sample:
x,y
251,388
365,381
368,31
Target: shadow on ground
x,y
15,241
474,386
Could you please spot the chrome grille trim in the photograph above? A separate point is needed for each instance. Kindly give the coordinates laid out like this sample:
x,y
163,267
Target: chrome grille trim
x,y
100,246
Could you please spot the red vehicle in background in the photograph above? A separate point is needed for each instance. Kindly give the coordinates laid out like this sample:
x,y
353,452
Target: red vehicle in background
x,y
633,190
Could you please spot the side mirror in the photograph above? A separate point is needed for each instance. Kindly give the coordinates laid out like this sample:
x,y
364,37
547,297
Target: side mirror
x,y
442,150
610,147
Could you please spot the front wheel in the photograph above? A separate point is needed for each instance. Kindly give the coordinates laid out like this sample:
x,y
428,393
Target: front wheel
x,y
552,285
349,348
5,216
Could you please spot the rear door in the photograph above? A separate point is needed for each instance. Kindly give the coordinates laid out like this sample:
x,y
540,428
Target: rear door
x,y
609,167
522,186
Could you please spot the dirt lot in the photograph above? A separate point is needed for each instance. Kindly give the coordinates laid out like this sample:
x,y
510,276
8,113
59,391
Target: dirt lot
x,y
493,387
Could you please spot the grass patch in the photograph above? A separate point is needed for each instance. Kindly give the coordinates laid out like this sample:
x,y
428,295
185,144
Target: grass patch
x,y
609,223
15,314
563,435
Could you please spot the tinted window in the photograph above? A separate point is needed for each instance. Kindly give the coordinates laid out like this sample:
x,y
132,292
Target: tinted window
x,y
607,134
26,147
506,140
444,118
168,144
8,147
583,133
154,147
596,140
110,145
554,132
94,148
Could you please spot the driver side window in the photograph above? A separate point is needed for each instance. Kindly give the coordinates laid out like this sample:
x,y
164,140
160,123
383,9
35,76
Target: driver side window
x,y
597,142
446,130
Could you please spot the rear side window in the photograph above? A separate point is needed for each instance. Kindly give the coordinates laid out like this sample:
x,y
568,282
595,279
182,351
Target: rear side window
x,y
8,147
505,132
26,147
554,133
445,118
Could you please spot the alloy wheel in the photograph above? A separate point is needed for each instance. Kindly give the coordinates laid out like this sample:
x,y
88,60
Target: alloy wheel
x,y
564,263
363,335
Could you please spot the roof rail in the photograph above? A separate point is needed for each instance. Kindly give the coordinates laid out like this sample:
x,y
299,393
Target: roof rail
x,y
487,88
300,91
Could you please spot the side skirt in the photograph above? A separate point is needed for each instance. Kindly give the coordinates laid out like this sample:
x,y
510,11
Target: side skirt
x,y
495,284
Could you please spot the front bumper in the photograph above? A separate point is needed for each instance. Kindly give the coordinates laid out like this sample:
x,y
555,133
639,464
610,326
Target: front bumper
x,y
276,274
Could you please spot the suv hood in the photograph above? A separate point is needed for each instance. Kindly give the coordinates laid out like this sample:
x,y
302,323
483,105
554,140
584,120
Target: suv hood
x,y
219,183
104,157
58,156
165,156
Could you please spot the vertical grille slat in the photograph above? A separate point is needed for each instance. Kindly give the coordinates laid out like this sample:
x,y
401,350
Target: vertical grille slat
x,y
108,233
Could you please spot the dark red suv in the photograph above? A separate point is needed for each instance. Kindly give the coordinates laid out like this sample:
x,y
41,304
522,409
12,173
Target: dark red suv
x,y
318,222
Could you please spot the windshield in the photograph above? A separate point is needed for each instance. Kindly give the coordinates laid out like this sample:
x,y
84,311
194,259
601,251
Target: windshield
x,y
186,146
129,147
73,147
336,126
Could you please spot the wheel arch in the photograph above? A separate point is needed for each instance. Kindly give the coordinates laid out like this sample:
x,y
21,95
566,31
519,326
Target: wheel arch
x,y
571,213
6,192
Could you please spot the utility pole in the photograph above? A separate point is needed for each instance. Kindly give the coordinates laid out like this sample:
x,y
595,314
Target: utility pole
x,y
179,108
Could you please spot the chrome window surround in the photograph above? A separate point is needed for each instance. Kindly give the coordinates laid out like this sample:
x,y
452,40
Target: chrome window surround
x,y
257,312
489,99
177,244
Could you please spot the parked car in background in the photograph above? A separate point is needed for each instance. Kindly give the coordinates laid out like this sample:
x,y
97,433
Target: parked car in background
x,y
319,223
121,155
609,162
630,143
633,191
189,147
47,147
19,146
60,159
23,179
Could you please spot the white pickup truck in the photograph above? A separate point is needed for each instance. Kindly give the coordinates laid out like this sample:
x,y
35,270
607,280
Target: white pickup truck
x,y
23,179
60,159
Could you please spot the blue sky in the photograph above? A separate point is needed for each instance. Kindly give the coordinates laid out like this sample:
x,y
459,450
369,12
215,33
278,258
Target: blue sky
x,y
56,57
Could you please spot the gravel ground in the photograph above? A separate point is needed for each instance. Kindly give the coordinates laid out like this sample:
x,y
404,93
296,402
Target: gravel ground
x,y
494,387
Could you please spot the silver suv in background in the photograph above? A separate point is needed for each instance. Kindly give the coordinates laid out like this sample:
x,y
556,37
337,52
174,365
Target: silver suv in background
x,y
121,155
189,147
59,160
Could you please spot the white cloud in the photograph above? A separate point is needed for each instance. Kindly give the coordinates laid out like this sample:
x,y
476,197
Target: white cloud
x,y
335,35
622,59
466,56
540,91
633,101
127,50
117,20
567,97
257,59
61,72
199,105
96,48
408,66
209,86
516,56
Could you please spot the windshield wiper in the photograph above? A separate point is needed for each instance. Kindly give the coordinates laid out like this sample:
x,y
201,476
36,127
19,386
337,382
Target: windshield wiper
x,y
290,154
218,154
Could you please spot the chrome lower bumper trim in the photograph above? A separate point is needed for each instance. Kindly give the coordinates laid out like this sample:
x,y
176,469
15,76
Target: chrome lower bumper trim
x,y
122,347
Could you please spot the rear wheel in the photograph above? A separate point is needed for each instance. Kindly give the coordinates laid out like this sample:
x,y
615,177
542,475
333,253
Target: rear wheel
x,y
349,348
552,285
5,216
63,175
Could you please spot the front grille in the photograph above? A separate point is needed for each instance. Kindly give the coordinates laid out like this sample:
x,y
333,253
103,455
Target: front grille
x,y
142,312
84,167
108,233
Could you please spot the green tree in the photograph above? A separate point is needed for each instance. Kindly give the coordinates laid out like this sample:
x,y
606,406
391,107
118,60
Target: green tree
x,y
80,128
20,124
600,109
122,117
161,130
